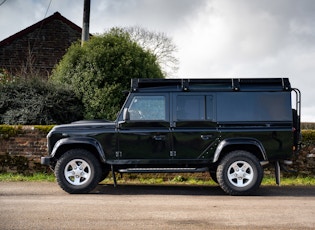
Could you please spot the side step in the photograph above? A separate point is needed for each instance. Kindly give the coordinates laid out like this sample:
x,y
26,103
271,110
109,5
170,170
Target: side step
x,y
163,170
156,170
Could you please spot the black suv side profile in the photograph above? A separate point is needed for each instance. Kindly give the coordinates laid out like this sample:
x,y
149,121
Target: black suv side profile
x,y
231,128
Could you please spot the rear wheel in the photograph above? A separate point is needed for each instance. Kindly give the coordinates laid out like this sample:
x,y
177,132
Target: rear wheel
x,y
78,171
239,173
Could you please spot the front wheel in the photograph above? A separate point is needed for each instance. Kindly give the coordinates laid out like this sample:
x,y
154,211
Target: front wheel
x,y
78,171
240,173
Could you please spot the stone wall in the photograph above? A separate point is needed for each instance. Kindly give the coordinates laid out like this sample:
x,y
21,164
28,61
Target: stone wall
x,y
21,152
304,162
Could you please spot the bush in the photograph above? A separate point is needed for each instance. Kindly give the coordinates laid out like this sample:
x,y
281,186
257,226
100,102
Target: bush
x,y
36,102
101,70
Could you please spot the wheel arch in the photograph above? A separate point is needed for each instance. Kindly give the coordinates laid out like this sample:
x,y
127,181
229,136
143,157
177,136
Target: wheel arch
x,y
89,144
247,144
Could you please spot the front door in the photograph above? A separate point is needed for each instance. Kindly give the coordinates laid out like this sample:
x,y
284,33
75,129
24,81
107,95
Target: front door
x,y
145,135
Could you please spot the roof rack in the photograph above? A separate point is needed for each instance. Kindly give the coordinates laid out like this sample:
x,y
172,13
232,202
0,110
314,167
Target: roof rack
x,y
233,84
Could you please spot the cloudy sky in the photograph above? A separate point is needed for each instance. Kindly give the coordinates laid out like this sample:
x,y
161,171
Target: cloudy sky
x,y
215,38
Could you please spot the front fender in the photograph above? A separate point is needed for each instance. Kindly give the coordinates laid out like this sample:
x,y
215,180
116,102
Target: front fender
x,y
79,141
239,141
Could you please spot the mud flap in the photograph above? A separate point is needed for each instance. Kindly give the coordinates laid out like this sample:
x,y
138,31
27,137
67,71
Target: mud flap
x,y
277,172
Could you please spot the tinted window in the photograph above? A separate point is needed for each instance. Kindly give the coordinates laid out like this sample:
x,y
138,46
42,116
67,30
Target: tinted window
x,y
254,106
147,108
190,108
210,108
194,108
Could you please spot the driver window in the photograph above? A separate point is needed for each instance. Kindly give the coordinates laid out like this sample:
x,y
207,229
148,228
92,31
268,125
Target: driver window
x,y
147,108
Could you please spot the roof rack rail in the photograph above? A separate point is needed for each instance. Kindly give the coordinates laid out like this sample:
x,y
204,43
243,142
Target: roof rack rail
x,y
234,84
265,82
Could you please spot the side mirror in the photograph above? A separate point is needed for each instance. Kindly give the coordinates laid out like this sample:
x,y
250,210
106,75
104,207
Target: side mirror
x,y
126,116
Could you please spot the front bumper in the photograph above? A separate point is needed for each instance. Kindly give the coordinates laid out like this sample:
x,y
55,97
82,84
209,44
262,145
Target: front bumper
x,y
45,161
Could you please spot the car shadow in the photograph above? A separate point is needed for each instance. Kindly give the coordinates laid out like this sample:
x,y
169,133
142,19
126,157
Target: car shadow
x,y
294,191
193,190
140,189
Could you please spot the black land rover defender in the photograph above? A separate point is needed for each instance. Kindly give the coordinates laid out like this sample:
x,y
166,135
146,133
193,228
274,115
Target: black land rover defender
x,y
229,127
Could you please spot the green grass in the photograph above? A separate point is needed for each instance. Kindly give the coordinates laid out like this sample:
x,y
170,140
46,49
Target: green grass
x,y
267,181
291,181
155,179
20,177
178,180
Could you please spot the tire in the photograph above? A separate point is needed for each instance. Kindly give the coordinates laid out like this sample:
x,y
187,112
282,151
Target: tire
x,y
240,173
78,171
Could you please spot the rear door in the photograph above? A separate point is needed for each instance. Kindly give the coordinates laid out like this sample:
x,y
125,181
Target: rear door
x,y
193,125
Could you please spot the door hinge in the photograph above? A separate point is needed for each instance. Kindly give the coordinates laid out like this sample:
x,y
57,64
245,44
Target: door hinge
x,y
118,154
173,153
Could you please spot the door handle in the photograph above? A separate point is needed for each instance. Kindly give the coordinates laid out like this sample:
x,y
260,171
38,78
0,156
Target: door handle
x,y
206,137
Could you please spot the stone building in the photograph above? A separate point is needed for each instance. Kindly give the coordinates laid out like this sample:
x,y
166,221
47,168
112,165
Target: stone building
x,y
38,48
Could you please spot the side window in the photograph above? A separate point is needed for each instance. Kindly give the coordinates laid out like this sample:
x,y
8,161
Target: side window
x,y
147,108
190,108
254,106
210,108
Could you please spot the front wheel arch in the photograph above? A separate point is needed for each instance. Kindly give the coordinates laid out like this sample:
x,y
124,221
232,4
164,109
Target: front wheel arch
x,y
239,173
89,144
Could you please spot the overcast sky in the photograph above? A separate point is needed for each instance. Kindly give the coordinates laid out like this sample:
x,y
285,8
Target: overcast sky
x,y
215,38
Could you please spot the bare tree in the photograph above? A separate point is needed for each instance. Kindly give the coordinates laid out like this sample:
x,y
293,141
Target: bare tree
x,y
159,44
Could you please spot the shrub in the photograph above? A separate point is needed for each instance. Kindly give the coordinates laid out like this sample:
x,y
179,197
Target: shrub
x,y
101,70
36,102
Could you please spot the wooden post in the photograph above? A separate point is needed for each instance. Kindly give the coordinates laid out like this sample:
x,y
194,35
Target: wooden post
x,y
86,21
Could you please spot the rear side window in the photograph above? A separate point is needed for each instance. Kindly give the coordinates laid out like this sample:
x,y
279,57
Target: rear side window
x,y
254,106
194,107
190,108
210,106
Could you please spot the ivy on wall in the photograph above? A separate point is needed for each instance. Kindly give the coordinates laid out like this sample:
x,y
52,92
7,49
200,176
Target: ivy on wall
x,y
7,131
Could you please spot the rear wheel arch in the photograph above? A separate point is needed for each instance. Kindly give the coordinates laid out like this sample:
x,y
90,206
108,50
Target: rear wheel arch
x,y
229,145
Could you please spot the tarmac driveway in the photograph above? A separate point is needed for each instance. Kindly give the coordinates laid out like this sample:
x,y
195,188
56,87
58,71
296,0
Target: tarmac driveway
x,y
43,205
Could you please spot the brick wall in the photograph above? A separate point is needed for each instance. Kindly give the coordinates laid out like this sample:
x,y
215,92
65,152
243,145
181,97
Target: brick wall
x,y
21,153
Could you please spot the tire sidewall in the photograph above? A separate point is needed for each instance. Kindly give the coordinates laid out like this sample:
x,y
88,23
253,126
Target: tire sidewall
x,y
89,158
227,161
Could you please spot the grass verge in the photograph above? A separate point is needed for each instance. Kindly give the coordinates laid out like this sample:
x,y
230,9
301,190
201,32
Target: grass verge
x,y
155,179
12,177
